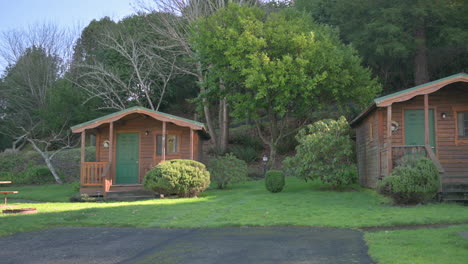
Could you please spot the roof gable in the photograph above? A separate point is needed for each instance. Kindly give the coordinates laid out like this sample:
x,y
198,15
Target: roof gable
x,y
425,88
180,121
409,93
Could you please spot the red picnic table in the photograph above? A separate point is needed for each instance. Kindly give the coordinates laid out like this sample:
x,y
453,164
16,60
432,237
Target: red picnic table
x,y
5,193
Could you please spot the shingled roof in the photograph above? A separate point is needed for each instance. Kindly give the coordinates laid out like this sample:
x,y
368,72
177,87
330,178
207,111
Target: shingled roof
x,y
180,121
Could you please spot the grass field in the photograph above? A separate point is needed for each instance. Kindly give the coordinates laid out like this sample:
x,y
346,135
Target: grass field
x,y
247,204
43,193
419,246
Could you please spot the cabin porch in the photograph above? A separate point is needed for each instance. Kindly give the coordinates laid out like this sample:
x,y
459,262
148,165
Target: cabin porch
x,y
429,120
441,139
128,144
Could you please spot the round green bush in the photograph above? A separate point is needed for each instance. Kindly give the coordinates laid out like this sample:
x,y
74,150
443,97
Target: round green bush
x,y
186,178
274,181
413,182
227,169
325,152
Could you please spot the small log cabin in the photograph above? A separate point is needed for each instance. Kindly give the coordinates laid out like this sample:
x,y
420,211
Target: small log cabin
x,y
132,141
430,119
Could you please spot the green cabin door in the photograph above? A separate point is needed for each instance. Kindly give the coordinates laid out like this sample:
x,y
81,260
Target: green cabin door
x,y
414,127
127,158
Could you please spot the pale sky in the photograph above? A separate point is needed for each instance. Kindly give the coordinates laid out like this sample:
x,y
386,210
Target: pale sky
x,y
68,13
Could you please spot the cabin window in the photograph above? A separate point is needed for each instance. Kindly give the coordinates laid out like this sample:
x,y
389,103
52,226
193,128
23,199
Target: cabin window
x,y
462,124
371,128
172,144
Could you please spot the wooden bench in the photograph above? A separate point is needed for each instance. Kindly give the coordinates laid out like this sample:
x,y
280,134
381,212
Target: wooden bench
x,y
6,193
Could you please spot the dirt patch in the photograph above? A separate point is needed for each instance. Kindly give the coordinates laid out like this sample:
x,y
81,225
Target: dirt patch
x,y
20,211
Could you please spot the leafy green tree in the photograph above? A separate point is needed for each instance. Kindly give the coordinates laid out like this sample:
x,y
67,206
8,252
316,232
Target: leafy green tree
x,y
404,42
280,67
177,24
325,152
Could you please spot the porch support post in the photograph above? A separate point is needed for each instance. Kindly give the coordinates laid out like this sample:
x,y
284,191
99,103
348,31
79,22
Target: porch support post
x,y
426,120
111,141
108,179
83,146
163,141
98,146
83,153
191,143
389,140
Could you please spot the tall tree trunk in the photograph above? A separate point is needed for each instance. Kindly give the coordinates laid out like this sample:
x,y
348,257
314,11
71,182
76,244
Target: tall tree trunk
x,y
206,108
224,121
421,72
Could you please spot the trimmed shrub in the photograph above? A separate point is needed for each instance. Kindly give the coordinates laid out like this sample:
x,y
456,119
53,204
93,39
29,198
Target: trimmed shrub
x,y
186,178
227,169
415,181
325,152
274,181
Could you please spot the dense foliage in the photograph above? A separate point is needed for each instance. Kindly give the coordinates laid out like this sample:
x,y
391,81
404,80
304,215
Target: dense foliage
x,y
15,165
325,152
404,42
32,175
185,178
267,61
227,169
414,181
274,181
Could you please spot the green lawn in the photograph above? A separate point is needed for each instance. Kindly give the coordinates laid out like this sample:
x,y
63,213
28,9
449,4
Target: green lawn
x,y
45,193
247,204
419,246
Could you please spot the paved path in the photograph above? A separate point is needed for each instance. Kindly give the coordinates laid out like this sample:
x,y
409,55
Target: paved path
x,y
215,245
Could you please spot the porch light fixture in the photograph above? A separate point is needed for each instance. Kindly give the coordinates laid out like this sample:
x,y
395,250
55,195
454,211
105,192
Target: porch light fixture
x,y
265,162
395,126
147,132
443,115
106,143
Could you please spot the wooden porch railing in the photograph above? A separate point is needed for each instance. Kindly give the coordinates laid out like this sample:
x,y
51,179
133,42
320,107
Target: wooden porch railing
x,y
417,151
399,152
92,172
432,156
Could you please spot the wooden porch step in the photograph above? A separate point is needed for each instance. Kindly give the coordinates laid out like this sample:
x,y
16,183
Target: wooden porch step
x,y
455,191
128,193
129,198
124,188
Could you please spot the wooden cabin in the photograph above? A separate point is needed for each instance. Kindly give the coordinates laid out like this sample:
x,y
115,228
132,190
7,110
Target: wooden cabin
x,y
430,119
132,141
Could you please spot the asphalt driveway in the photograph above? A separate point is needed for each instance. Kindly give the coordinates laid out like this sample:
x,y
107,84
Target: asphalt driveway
x,y
215,245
